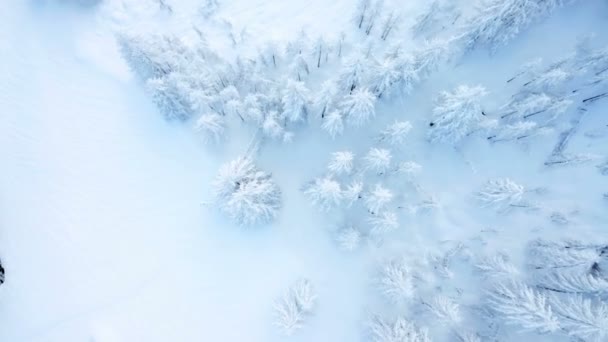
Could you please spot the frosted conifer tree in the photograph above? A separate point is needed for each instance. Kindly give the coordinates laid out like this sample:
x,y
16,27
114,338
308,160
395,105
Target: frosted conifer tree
x,y
499,21
445,309
398,330
326,97
497,266
522,306
361,14
436,17
502,194
333,124
211,126
396,133
378,198
384,222
457,114
352,74
153,56
246,194
378,160
384,76
359,107
352,193
348,239
396,281
272,126
319,48
582,317
295,306
325,193
295,101
341,162
171,96
526,105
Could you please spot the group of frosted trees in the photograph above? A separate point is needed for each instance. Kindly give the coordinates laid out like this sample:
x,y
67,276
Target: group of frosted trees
x,y
564,292
367,194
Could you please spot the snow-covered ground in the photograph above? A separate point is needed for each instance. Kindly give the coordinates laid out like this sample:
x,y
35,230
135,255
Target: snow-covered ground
x,y
106,232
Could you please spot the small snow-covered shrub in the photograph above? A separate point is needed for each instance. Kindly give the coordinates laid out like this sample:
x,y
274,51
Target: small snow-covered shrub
x,y
295,305
246,194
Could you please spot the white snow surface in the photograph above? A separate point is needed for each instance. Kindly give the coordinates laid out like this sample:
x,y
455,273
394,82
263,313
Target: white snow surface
x,y
106,234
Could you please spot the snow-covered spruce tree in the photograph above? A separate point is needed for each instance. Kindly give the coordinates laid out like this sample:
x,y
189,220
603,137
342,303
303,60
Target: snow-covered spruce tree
x,y
396,133
502,194
384,222
353,192
396,281
341,162
325,193
378,160
582,317
295,306
520,305
1,273
385,74
359,107
246,194
171,94
348,238
437,16
211,126
497,267
389,24
517,131
271,126
445,309
299,68
457,114
569,266
373,15
361,13
333,124
430,56
397,330
377,198
526,105
320,48
153,55
326,97
295,101
499,21
352,74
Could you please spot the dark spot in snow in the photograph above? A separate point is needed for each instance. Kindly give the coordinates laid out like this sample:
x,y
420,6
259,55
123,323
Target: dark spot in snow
x,y
432,124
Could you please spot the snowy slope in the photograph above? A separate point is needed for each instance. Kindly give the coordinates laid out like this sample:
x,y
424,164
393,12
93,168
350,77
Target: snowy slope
x,y
105,230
